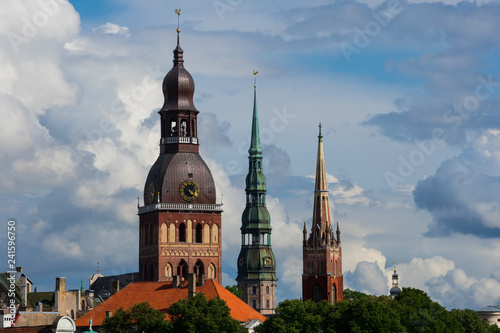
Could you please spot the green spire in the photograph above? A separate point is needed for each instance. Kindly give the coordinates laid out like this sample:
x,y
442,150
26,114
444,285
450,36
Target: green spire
x,y
255,149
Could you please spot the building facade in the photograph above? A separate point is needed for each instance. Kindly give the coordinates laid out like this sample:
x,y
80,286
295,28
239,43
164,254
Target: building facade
x,y
256,262
322,277
180,222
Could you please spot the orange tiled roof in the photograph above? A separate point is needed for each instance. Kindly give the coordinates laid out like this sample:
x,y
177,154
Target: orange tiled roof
x,y
161,296
27,329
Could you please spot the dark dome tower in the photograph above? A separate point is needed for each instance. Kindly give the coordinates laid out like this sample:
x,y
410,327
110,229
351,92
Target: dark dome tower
x,y
180,222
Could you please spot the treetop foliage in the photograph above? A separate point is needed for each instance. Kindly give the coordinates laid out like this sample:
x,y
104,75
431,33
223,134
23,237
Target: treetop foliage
x,y
411,311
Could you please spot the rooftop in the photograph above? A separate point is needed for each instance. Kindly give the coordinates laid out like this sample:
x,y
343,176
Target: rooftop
x,y
161,296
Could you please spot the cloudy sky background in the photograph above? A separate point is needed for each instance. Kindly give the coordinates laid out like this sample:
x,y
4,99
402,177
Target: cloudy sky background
x,y
407,92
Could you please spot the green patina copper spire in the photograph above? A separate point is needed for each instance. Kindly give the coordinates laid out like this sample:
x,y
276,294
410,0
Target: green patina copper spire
x,y
256,262
255,149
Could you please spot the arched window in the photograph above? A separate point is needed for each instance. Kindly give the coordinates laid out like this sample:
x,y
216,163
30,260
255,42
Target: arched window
x,y
311,267
182,269
199,233
254,290
168,270
171,237
164,229
199,268
173,128
206,234
267,290
317,293
215,233
334,293
254,304
267,304
182,233
211,271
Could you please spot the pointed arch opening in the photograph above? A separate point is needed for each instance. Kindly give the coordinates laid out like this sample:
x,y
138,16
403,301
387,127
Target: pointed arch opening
x,y
182,270
164,235
182,233
267,304
199,233
206,234
215,234
254,304
211,271
334,293
171,237
199,268
168,270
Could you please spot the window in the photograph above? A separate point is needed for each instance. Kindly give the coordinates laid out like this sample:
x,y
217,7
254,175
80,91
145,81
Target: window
x,y
254,304
267,304
267,290
254,290
334,293
199,233
199,268
168,271
182,270
182,233
317,293
211,271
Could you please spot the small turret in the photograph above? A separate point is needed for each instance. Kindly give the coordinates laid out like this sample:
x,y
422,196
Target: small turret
x,y
305,233
338,235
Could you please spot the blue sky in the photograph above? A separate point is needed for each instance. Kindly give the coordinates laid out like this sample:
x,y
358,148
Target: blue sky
x,y
407,92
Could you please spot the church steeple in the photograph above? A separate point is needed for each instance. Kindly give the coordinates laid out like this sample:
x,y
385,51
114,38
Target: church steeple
x,y
256,262
321,213
322,255
180,223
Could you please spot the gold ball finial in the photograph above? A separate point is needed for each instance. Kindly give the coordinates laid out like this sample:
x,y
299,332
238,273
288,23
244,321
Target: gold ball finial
x,y
178,30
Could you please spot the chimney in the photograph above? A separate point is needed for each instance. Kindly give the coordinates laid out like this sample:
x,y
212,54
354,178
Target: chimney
x,y
201,280
114,286
60,284
19,269
191,285
175,281
109,314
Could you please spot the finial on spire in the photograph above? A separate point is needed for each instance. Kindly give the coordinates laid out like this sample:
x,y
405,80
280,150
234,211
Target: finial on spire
x,y
394,263
319,135
178,12
255,78
98,267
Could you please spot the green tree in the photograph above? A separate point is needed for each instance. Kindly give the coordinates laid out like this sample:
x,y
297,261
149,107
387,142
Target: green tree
x,y
199,315
139,318
364,314
419,314
235,290
471,322
296,316
351,295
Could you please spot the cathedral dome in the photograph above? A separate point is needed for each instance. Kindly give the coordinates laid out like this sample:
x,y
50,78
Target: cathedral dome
x,y
174,173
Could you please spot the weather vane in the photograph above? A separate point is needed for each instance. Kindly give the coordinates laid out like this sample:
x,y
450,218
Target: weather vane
x,y
255,78
178,12
320,128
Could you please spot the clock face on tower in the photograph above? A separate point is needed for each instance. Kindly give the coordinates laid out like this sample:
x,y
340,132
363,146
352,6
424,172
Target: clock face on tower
x,y
188,190
267,262
151,193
